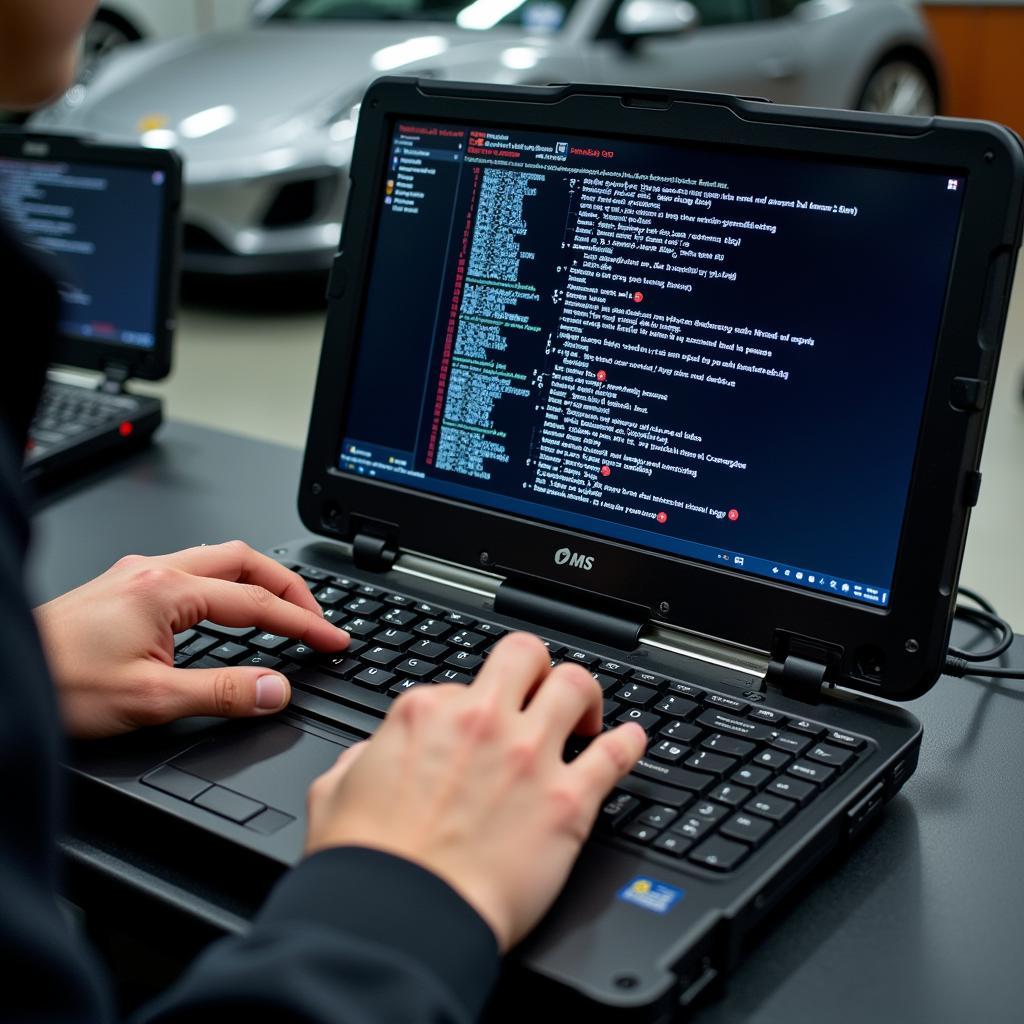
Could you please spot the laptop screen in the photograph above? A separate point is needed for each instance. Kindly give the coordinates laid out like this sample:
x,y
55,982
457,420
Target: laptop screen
x,y
98,229
717,354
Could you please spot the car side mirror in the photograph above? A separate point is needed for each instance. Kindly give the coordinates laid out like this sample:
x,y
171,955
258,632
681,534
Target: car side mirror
x,y
643,19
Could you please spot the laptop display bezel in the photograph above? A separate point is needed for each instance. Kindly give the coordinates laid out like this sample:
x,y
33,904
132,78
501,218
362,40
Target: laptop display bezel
x,y
152,363
893,652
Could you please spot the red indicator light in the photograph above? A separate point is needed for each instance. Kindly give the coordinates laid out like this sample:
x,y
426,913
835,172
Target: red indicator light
x,y
662,517
638,296
602,375
125,429
606,471
733,515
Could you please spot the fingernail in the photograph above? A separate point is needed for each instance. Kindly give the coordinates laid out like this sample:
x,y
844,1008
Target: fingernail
x,y
269,693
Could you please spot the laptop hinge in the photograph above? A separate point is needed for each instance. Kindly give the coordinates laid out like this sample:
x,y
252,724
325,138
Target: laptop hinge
x,y
373,554
801,667
572,610
115,376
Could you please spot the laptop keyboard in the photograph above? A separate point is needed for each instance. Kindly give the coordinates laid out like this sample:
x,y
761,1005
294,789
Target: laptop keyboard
x,y
65,411
721,775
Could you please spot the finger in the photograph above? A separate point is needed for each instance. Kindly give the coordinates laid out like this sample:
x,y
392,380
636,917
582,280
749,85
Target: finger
x,y
568,700
516,666
346,760
606,760
237,562
244,604
230,692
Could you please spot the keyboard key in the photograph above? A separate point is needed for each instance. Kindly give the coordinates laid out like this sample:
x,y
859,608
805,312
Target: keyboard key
x,y
695,782
719,854
742,727
713,764
383,656
580,657
368,590
182,638
747,828
330,596
378,678
673,844
198,646
607,682
613,668
640,696
773,807
429,649
639,832
731,794
453,675
407,684
340,664
310,573
363,606
361,627
773,759
609,707
228,651
733,704
767,716
391,637
419,668
428,609
791,742
687,690
659,816
751,776
207,662
691,827
341,689
489,629
709,811
342,581
728,745
649,678
334,712
825,753
655,792
434,628
300,652
811,729
398,600
461,619
335,615
468,640
616,810
679,731
556,650
667,751
465,661
844,739
792,789
398,617
648,722
678,707
261,660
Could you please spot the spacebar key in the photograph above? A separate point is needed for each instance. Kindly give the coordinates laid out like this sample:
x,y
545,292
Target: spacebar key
x,y
695,782
338,689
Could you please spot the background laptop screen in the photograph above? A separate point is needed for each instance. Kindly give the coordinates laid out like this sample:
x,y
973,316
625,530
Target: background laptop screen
x,y
718,355
98,228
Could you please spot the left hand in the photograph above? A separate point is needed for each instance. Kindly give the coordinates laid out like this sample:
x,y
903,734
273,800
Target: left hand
x,y
110,645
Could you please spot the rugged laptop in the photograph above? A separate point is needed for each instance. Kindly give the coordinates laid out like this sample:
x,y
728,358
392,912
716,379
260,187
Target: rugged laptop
x,y
104,219
694,387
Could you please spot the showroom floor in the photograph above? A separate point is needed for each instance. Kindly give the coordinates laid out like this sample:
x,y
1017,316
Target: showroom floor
x,y
246,360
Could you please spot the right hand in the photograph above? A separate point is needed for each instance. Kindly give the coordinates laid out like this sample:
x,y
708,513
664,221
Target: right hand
x,y
469,782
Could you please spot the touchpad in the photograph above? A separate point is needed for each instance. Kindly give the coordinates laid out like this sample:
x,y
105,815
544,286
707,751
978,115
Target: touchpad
x,y
270,762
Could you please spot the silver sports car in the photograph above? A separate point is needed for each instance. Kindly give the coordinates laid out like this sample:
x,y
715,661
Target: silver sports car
x,y
265,116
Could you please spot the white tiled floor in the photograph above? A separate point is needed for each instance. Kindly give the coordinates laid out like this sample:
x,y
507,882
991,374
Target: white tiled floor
x,y
248,364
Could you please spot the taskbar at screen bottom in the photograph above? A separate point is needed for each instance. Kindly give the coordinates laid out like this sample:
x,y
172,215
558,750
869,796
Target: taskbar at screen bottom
x,y
375,462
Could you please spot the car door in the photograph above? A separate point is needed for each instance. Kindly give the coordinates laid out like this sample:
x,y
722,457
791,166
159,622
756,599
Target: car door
x,y
751,47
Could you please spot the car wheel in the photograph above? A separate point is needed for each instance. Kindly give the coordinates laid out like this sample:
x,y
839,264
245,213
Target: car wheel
x,y
899,86
105,33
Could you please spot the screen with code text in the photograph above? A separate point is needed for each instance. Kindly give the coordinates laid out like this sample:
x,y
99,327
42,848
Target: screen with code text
x,y
714,354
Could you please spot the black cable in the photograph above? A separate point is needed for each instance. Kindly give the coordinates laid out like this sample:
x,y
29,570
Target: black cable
x,y
962,663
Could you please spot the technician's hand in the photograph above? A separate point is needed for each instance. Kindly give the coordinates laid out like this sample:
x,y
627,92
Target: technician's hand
x,y
469,782
110,642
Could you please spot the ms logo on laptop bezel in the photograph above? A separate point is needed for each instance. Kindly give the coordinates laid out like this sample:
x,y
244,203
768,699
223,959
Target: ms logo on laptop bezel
x,y
565,556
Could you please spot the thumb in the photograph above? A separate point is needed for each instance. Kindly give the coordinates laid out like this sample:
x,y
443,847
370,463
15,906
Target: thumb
x,y
228,692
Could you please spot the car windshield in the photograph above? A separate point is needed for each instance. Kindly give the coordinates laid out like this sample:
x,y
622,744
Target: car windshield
x,y
532,15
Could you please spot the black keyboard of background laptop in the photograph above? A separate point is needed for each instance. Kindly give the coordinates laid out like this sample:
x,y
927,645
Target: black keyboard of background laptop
x,y
67,412
721,775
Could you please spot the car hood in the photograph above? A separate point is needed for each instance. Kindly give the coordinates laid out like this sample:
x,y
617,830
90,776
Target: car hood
x,y
266,76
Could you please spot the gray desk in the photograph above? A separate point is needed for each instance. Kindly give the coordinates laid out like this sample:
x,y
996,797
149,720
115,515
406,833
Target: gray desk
x,y
924,921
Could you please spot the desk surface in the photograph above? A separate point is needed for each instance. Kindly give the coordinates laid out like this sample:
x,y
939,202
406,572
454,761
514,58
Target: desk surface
x,y
923,921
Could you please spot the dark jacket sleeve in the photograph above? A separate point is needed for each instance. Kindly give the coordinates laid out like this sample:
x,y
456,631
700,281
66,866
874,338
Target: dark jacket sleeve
x,y
354,936
351,935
